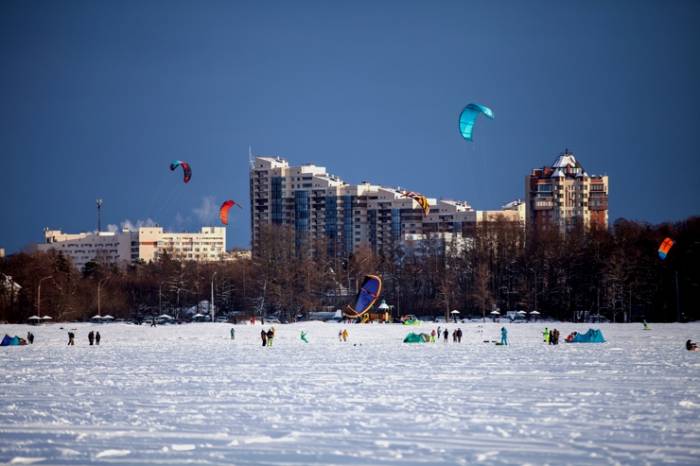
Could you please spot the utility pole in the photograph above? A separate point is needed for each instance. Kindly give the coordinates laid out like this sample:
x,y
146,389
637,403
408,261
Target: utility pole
x,y
99,286
678,299
212,310
99,219
38,295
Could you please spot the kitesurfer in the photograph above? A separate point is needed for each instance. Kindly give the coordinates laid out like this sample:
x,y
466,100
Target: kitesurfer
x,y
504,336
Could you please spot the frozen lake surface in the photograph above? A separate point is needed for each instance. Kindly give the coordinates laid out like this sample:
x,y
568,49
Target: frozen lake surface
x,y
189,395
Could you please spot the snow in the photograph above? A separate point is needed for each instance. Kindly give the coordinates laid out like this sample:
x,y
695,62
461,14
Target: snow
x,y
187,394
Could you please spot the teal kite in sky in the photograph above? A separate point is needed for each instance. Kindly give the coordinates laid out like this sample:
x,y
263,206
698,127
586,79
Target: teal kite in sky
x,y
468,117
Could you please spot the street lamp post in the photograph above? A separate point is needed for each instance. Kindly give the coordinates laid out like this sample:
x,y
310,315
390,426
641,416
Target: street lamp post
x,y
212,310
99,286
38,295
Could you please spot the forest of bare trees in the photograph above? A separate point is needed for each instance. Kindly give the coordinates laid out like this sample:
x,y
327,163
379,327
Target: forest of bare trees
x,y
615,273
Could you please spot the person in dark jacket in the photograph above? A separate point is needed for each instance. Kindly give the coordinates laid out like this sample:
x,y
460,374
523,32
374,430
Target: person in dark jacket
x,y
445,335
71,339
97,338
91,337
30,338
459,335
263,337
270,336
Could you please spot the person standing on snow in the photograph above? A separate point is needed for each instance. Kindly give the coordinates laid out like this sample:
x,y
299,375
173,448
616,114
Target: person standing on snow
x,y
233,333
432,336
459,335
97,338
270,336
545,335
504,336
91,337
445,335
71,339
263,337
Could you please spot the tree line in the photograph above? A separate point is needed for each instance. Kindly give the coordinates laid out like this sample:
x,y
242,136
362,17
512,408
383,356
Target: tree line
x,y
615,273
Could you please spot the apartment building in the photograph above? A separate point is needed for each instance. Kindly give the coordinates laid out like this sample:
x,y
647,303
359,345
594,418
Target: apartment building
x,y
318,205
128,246
566,196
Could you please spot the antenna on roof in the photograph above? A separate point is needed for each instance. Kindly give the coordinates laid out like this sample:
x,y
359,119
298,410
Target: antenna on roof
x,y
250,156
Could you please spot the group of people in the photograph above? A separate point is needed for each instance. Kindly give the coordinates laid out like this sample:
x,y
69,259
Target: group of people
x,y
551,337
267,336
445,335
93,338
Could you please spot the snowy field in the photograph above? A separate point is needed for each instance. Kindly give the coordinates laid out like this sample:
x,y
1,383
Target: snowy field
x,y
189,395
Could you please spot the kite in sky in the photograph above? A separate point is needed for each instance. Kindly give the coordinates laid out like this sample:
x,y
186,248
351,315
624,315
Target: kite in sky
x,y
468,117
223,210
186,170
666,246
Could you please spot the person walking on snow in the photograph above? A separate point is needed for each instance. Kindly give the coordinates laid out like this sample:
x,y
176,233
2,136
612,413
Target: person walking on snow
x,y
91,337
432,336
71,339
504,336
545,335
302,335
270,336
345,334
97,338
459,335
445,335
263,337
233,333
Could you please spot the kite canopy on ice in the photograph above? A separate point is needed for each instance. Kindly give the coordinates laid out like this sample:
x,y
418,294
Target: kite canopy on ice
x,y
591,336
369,293
12,341
417,338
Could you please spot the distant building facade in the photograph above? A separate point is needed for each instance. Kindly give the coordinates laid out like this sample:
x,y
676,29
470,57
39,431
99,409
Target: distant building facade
x,y
320,206
564,195
144,244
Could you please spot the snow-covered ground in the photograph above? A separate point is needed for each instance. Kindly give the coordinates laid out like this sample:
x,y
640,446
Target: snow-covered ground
x,y
189,395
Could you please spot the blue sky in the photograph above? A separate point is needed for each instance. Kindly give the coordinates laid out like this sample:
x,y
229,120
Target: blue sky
x,y
99,97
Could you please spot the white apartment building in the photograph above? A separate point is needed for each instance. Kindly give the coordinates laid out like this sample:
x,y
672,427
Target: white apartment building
x,y
317,205
128,246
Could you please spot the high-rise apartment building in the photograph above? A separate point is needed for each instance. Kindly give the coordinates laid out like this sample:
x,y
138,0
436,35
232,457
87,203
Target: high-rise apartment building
x,y
145,243
320,206
566,196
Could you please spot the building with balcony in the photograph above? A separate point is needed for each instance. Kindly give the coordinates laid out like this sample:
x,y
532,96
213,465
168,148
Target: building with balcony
x,y
564,195
319,206
143,244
